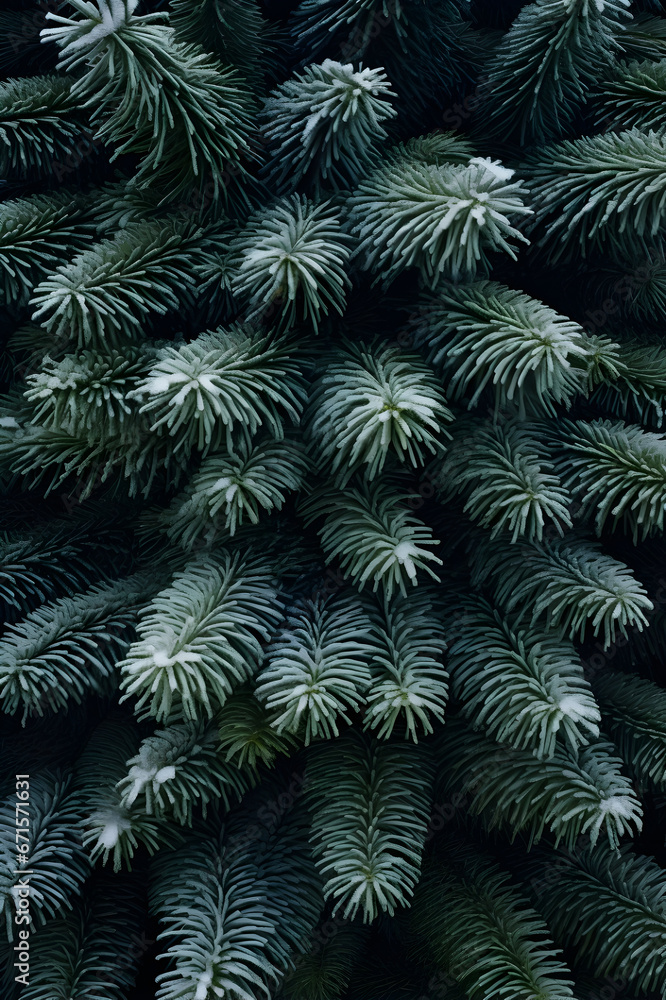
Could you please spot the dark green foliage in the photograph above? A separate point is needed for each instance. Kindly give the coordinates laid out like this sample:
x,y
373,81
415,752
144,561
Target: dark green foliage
x,y
569,795
428,51
524,690
483,335
600,191
57,859
332,482
67,648
507,476
370,854
635,716
37,234
92,952
575,584
372,404
588,887
635,98
291,260
540,72
192,112
507,948
40,126
106,294
324,123
622,473
441,220
232,29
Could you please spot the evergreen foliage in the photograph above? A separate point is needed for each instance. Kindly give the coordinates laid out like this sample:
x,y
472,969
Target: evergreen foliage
x,y
439,219
371,854
105,294
58,861
368,405
634,715
576,585
234,30
599,191
634,99
623,474
630,887
507,950
332,491
522,689
40,125
508,479
324,123
569,794
38,233
171,103
375,537
292,260
538,76
484,334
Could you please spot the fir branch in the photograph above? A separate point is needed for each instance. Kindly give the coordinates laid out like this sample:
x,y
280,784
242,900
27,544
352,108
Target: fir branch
x,y
324,125
317,668
233,487
598,191
104,296
110,828
572,581
634,712
619,470
638,391
85,392
507,476
200,638
481,930
36,567
610,906
291,258
224,382
246,732
374,537
485,336
524,688
234,30
93,952
171,103
645,37
232,910
568,795
69,648
539,75
442,220
370,403
634,98
325,972
409,682
50,456
58,863
40,125
435,149
371,852
428,52
37,233
177,769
